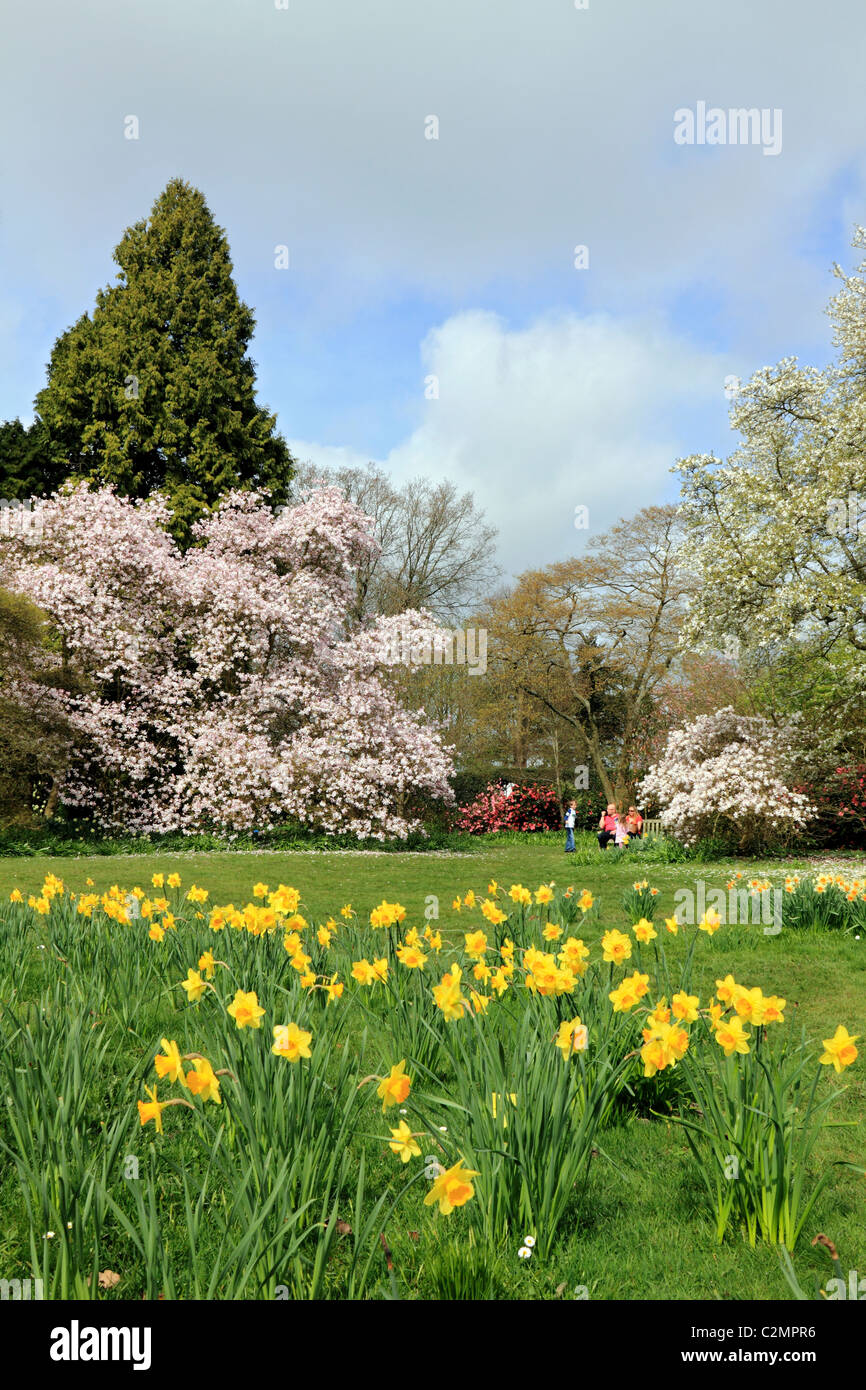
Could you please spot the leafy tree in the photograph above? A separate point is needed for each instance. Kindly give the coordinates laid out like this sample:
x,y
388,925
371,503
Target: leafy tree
x,y
155,391
25,467
700,683
34,732
591,639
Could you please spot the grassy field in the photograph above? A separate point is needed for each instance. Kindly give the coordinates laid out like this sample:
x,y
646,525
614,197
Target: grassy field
x,y
643,1230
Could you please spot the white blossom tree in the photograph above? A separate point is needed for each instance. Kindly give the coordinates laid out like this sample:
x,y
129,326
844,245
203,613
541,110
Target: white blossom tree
x,y
777,532
724,775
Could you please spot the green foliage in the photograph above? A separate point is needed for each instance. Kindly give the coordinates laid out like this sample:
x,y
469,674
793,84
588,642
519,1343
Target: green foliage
x,y
462,1271
155,391
639,903
830,909
532,1145
34,736
221,1204
754,1123
25,467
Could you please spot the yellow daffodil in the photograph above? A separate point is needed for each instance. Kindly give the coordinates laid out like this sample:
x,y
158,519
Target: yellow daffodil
x,y
840,1051
333,990
363,972
291,1042
203,1081
451,1189
629,993
616,947
246,1010
403,1143
731,1036
168,1062
151,1110
411,957
394,1088
194,986
494,914
572,1037
726,989
685,1006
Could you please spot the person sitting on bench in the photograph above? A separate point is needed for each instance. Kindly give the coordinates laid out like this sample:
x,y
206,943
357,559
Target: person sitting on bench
x,y
634,822
607,827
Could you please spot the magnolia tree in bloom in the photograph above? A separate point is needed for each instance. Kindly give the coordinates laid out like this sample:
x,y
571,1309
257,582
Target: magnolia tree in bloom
x,y
724,774
776,534
218,687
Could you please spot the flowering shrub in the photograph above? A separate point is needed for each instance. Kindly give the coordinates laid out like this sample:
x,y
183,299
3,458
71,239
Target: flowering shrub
x,y
216,687
723,775
840,799
529,807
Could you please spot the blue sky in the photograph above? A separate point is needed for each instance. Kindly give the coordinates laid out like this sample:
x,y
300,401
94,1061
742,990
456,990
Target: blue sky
x,y
453,257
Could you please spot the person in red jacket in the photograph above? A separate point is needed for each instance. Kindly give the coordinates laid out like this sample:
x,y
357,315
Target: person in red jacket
x,y
607,827
634,822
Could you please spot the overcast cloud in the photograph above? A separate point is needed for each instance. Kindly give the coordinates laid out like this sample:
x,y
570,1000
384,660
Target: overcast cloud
x,y
454,257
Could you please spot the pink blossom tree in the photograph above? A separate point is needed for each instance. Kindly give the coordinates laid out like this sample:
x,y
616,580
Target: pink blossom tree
x,y
219,687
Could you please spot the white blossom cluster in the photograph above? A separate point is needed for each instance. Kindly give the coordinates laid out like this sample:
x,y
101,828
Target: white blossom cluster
x,y
723,774
776,534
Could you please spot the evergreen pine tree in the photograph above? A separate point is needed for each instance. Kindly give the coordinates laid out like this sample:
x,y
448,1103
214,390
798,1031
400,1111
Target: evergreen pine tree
x,y
156,391
25,468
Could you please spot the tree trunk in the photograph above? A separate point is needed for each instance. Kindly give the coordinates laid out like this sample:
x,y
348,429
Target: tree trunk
x,y
53,798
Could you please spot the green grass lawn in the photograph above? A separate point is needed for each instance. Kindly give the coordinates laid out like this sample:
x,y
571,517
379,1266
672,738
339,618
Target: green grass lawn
x,y
643,1231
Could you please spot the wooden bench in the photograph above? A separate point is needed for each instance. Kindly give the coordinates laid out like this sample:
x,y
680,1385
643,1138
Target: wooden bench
x,y
653,827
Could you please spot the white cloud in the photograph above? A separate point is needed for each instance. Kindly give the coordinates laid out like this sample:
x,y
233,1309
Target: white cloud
x,y
568,411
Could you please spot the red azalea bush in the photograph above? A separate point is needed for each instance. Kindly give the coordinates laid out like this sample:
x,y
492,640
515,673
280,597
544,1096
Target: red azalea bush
x,y
529,807
841,803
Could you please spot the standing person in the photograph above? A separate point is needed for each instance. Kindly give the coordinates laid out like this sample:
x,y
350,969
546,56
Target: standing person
x,y
607,826
622,832
570,822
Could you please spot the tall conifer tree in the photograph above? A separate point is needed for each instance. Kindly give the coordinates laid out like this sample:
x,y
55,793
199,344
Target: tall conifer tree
x,y
155,390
